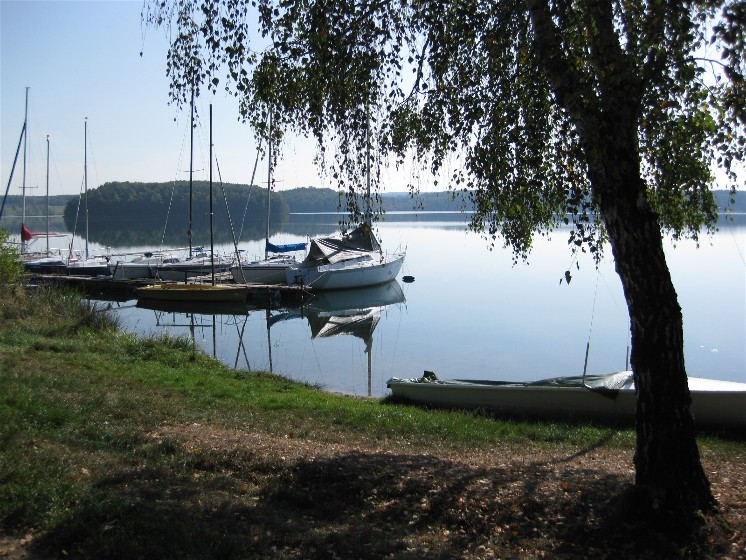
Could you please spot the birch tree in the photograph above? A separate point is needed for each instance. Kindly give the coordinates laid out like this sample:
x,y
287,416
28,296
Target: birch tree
x,y
612,117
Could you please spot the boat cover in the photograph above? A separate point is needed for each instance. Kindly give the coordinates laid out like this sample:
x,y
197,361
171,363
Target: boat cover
x,y
342,247
287,248
607,384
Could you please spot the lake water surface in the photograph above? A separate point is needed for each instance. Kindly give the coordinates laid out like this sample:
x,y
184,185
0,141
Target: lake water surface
x,y
471,313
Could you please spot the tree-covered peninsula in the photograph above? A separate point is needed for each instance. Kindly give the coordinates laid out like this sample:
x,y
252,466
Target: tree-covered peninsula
x,y
124,213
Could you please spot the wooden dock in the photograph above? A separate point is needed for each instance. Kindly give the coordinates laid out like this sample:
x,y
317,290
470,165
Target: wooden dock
x,y
124,289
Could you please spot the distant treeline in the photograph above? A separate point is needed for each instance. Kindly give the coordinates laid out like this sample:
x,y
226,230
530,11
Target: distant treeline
x,y
122,214
36,205
126,213
132,199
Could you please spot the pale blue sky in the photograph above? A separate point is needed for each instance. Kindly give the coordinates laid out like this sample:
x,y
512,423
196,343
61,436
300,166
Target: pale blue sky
x,y
82,59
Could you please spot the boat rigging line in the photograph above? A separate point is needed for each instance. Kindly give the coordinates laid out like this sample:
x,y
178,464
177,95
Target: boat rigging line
x,y
251,186
590,330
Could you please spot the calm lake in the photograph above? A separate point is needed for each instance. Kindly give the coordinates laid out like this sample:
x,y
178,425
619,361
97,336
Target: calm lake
x,y
471,313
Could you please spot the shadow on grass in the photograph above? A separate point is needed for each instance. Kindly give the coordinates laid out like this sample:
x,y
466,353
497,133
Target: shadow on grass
x,y
357,505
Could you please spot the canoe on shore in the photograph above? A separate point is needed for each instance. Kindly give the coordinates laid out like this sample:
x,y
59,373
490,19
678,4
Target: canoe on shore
x,y
603,398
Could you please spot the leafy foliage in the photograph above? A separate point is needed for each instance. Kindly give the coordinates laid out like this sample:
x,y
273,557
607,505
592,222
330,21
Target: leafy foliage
x,y
469,80
11,268
603,114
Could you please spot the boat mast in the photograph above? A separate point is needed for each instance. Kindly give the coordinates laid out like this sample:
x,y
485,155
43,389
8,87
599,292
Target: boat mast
x,y
13,168
269,185
85,181
47,194
191,170
23,182
366,221
25,155
212,245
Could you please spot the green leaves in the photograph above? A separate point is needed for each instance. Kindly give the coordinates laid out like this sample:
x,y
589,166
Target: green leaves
x,y
520,93
11,268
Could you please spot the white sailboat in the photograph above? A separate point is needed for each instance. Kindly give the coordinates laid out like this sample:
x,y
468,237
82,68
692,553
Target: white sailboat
x,y
212,292
351,260
272,269
74,263
142,265
348,260
84,264
199,262
37,260
52,260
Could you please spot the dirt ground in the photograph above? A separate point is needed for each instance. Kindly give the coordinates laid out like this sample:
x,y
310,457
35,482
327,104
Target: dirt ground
x,y
398,502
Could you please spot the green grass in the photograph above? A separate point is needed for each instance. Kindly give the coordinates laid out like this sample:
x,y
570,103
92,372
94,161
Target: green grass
x,y
78,400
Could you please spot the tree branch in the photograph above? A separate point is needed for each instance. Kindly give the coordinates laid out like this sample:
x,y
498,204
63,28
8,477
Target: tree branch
x,y
568,88
616,76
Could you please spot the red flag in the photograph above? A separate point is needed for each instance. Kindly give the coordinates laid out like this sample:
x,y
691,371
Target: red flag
x,y
26,235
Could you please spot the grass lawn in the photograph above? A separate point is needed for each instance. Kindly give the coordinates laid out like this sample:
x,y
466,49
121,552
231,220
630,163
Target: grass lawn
x,y
117,447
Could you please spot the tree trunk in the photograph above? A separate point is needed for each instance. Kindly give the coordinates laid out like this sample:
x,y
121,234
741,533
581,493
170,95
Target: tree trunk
x,y
669,473
668,468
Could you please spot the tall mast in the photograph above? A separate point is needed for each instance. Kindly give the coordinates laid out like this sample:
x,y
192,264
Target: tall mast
x,y
47,194
366,221
212,244
25,155
269,185
191,169
13,168
85,180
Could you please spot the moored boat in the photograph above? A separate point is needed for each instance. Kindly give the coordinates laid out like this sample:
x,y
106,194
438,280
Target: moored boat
x,y
87,266
272,269
604,398
348,260
187,292
353,260
194,292
202,263
140,266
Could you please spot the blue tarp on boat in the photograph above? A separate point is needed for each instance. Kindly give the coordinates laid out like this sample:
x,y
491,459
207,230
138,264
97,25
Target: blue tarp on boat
x,y
288,248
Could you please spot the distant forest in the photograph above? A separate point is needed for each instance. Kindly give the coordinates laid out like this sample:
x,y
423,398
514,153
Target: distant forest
x,y
126,213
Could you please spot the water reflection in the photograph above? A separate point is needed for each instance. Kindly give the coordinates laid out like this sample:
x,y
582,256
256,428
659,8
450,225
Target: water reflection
x,y
196,307
352,313
330,314
475,313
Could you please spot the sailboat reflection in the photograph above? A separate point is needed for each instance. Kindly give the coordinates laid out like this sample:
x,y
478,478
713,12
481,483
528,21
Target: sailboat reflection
x,y
197,307
354,312
196,313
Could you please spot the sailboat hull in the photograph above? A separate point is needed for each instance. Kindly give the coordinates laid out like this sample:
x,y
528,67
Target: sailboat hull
x,y
190,268
269,271
129,271
144,266
89,266
364,271
55,265
46,265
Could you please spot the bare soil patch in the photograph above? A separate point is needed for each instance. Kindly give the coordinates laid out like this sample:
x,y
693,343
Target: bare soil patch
x,y
295,498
